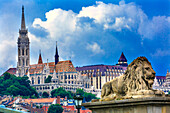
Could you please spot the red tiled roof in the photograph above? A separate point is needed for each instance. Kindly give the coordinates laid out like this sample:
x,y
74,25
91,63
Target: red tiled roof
x,y
61,66
11,71
71,108
39,100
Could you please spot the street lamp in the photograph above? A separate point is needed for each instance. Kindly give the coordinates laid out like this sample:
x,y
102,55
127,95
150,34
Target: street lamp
x,y
78,100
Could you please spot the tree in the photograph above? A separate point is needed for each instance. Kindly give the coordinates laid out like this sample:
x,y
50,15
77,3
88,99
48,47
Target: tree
x,y
61,92
88,96
45,94
48,79
80,92
12,85
55,108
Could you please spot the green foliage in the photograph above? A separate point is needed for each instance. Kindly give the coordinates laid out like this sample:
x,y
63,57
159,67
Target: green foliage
x,y
55,108
12,85
48,79
80,92
62,93
88,96
45,94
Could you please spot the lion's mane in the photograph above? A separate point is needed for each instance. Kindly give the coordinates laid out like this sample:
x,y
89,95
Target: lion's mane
x,y
135,78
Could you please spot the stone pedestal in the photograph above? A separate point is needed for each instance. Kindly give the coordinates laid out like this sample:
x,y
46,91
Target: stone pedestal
x,y
139,105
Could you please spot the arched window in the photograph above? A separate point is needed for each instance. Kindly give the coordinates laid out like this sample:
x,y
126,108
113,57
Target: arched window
x,y
38,80
68,82
72,82
23,51
44,79
68,76
71,76
32,80
65,76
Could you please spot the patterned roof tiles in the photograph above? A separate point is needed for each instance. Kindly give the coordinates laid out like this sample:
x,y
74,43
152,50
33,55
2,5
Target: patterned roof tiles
x,y
61,66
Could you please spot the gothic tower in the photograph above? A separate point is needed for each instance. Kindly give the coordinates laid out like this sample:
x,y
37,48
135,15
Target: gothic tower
x,y
56,55
23,48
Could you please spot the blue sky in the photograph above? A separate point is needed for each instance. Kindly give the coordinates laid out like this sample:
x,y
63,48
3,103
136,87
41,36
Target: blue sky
x,y
88,31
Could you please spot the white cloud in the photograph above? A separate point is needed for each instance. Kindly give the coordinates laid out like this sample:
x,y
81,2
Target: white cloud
x,y
95,48
115,17
59,23
161,53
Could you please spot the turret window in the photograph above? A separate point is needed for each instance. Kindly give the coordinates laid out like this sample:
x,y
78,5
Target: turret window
x,y
23,51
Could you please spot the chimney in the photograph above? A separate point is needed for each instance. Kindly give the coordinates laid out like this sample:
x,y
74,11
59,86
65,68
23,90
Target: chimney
x,y
58,99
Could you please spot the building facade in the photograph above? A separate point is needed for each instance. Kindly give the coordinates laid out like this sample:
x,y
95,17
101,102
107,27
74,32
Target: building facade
x,y
162,83
98,75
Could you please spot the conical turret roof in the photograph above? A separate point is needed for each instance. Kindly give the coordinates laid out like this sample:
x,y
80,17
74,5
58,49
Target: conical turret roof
x,y
122,58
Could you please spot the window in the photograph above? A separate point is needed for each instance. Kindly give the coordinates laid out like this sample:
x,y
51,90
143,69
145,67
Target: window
x,y
65,76
32,80
44,79
23,51
38,80
72,82
68,76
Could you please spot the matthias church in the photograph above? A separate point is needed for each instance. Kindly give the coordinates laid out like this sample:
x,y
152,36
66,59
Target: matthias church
x,y
89,78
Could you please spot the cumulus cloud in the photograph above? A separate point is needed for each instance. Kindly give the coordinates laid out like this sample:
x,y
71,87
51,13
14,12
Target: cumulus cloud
x,y
59,23
95,48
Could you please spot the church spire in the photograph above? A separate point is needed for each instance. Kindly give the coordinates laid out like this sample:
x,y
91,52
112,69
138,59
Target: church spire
x,y
56,55
23,20
40,59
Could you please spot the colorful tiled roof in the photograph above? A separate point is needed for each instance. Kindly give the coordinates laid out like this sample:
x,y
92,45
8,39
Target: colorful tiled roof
x,y
61,66
11,71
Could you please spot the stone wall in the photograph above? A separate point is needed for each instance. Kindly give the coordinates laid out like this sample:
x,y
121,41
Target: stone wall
x,y
140,105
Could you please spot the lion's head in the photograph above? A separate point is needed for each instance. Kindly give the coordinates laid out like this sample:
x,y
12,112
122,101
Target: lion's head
x,y
139,75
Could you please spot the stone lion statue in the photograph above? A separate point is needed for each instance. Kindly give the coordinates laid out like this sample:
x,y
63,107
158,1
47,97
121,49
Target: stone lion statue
x,y
135,83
